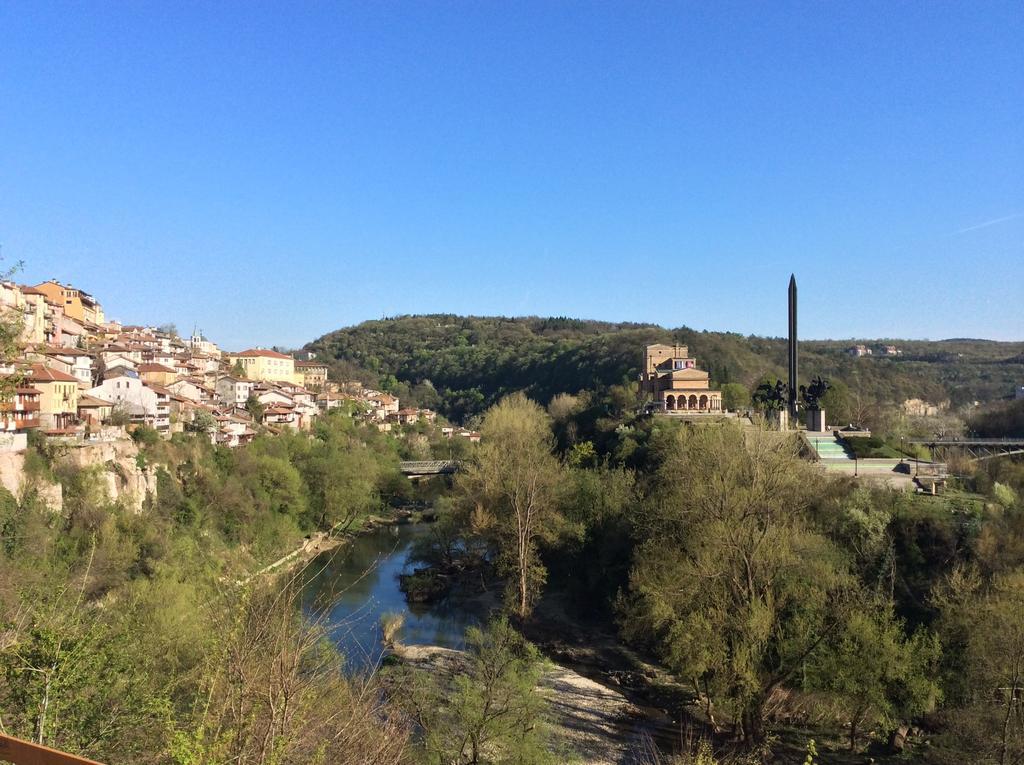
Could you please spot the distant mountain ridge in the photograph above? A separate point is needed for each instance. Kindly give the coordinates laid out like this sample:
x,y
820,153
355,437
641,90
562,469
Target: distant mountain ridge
x,y
471,361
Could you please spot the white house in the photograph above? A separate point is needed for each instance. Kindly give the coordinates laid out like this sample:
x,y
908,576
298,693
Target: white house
x,y
191,389
125,390
382,405
273,397
72,361
117,356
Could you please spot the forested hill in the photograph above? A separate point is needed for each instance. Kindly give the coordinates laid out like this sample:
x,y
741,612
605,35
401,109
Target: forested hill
x,y
471,361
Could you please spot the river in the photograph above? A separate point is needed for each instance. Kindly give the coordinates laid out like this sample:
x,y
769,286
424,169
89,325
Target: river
x,y
356,584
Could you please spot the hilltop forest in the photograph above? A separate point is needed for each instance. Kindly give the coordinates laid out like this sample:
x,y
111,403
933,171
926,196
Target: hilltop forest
x,y
463,364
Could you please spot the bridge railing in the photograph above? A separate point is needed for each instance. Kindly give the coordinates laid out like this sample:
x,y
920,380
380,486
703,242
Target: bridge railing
x,y
966,441
429,467
19,752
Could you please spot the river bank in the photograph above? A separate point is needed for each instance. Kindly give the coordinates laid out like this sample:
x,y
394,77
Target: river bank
x,y
599,725
323,542
356,586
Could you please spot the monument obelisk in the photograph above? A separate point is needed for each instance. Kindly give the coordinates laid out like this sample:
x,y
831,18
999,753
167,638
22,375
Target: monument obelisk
x,y
792,351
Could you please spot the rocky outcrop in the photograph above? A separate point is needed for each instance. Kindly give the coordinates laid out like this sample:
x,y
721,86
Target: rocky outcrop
x,y
125,480
122,477
12,472
14,478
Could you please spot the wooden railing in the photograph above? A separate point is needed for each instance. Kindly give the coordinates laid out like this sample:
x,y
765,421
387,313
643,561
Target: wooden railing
x,y
19,752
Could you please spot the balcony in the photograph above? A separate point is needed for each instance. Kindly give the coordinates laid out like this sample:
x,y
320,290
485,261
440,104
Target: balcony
x,y
15,406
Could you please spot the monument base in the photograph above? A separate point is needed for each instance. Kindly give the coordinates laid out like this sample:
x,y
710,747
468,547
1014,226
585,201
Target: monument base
x,y
816,420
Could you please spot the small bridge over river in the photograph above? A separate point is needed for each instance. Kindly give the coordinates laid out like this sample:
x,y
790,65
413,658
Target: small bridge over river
x,y
420,468
975,448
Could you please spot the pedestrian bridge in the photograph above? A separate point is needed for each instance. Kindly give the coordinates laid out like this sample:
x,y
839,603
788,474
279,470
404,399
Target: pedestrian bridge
x,y
429,467
976,448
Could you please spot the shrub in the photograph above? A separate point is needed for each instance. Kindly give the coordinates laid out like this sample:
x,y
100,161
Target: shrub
x,y
145,435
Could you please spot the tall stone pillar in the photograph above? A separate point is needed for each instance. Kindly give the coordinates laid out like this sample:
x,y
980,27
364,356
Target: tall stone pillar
x,y
793,371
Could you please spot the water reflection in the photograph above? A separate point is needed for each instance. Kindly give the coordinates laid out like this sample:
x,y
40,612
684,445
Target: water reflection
x,y
355,585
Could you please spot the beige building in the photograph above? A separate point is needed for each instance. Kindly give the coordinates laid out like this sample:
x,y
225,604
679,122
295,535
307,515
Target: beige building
x,y
58,400
313,373
261,364
157,374
93,411
674,384
31,305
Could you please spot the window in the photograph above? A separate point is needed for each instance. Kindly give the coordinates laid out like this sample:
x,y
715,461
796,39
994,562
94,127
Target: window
x,y
679,363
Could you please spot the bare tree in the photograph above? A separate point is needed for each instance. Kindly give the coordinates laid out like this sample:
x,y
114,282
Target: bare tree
x,y
276,693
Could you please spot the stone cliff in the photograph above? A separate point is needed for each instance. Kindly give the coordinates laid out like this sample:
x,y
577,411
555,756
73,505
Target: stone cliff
x,y
123,477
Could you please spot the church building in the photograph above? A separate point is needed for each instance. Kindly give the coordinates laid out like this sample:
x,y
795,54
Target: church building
x,y
673,382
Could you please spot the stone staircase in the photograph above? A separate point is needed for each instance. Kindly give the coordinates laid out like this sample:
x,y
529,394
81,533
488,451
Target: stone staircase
x,y
829,447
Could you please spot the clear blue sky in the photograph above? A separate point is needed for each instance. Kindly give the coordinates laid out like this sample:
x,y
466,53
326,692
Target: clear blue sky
x,y
272,171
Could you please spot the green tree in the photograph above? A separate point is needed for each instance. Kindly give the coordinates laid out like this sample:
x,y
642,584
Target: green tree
x,y
72,678
982,628
255,408
729,582
144,435
836,403
276,484
514,480
491,712
203,423
877,673
735,396
582,454
343,481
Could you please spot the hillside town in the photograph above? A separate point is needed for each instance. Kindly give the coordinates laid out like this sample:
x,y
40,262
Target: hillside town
x,y
79,377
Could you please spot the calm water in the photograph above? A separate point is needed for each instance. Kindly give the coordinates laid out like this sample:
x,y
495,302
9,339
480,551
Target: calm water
x,y
359,583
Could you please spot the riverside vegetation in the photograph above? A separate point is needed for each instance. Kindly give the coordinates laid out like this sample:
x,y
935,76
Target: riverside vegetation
x,y
787,604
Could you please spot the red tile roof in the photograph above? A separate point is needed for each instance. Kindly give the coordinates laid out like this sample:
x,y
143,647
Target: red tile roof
x,y
261,352
40,374
156,368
